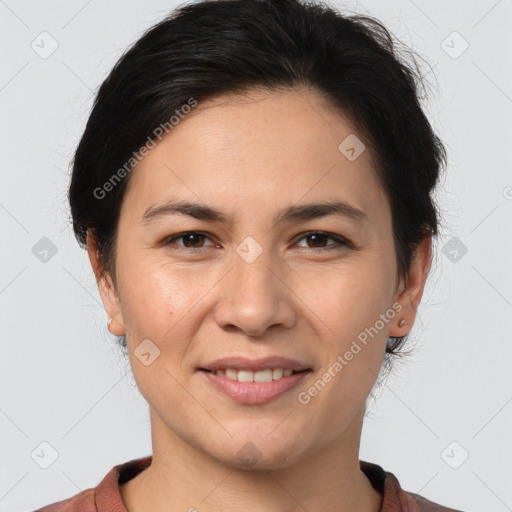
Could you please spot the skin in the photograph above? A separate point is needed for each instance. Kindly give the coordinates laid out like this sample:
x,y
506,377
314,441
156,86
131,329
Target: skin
x,y
250,157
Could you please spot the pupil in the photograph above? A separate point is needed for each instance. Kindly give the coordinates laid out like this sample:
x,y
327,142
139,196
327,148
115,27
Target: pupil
x,y
190,238
316,237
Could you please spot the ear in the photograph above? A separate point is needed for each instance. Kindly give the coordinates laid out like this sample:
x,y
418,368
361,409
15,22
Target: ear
x,y
108,293
410,295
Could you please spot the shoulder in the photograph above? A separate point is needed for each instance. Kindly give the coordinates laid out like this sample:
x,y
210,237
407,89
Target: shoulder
x,y
106,495
84,501
424,505
396,499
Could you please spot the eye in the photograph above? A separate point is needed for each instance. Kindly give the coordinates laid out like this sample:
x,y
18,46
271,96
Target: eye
x,y
195,240
319,239
191,240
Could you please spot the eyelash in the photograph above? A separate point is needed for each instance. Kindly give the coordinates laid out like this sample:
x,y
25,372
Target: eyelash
x,y
343,242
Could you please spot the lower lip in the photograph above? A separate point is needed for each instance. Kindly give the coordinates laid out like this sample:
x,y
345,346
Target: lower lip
x,y
255,392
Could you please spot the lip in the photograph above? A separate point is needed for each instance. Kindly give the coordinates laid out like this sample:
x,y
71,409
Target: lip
x,y
244,363
254,392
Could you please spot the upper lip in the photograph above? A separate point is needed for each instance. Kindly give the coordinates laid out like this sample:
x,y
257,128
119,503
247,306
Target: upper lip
x,y
244,363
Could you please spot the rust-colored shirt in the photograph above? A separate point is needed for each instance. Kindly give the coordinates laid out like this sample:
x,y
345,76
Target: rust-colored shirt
x,y
107,498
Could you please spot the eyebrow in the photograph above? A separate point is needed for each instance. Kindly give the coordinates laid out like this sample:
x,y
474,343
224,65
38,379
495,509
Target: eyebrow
x,y
292,213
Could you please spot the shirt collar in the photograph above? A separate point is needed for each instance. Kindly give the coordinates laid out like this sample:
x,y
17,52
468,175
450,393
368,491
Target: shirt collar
x,y
108,497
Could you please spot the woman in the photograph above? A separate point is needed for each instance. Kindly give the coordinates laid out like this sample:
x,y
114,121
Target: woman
x,y
254,190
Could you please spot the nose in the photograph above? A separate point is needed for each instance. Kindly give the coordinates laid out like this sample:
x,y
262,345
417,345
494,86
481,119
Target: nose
x,y
255,297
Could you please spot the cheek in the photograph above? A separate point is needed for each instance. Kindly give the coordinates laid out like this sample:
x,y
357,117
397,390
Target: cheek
x,y
347,298
157,298
351,304
158,305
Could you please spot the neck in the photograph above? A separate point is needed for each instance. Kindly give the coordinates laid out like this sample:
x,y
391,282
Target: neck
x,y
329,479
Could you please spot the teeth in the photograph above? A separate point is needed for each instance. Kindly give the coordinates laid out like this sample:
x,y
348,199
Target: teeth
x,y
277,373
267,375
245,376
262,376
231,374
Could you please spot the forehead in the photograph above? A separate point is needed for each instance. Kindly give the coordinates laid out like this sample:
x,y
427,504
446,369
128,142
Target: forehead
x,y
262,146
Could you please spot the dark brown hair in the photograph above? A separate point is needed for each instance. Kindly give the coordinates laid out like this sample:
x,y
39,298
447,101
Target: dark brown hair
x,y
207,48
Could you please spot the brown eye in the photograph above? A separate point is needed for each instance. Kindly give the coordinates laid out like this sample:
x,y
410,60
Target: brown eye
x,y
318,239
191,240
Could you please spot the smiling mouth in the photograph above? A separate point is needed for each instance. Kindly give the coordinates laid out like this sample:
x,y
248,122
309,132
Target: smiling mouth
x,y
265,375
255,387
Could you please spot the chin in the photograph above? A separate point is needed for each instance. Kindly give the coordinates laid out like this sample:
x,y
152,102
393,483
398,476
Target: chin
x,y
263,454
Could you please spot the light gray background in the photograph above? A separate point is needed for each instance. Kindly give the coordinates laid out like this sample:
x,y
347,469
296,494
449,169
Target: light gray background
x,y
63,381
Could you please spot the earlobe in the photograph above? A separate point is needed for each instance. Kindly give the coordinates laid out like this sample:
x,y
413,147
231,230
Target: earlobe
x,y
410,296
106,289
115,327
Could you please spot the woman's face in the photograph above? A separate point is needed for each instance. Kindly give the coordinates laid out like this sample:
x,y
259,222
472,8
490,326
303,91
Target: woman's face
x,y
253,284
